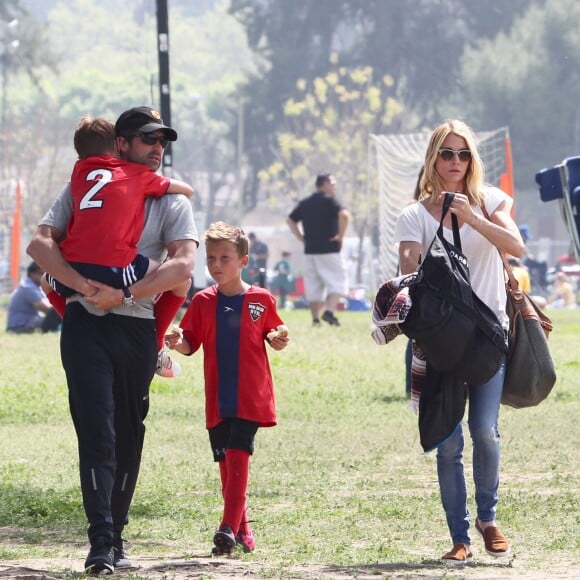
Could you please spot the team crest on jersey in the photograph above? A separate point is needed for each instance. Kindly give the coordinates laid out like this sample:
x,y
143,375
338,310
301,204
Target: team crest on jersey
x,y
256,310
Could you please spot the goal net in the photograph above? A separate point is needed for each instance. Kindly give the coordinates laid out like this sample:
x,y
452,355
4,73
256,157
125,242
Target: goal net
x,y
399,159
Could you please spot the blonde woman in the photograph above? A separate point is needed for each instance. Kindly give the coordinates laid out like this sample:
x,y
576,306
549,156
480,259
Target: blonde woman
x,y
452,163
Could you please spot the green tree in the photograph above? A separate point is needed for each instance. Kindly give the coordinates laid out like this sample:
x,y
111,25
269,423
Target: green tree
x,y
291,40
23,50
529,79
419,43
109,64
205,72
329,122
25,59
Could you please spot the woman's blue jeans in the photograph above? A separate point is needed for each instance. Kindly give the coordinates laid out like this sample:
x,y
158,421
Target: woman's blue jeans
x,y
484,402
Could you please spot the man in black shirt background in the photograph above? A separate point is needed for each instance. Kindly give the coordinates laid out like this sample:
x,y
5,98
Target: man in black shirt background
x,y
323,222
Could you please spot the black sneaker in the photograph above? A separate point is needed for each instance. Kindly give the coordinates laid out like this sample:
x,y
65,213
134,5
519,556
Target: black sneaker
x,y
100,558
329,317
120,558
224,541
315,322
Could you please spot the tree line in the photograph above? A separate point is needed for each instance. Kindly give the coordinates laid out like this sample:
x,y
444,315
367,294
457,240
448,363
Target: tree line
x,y
264,75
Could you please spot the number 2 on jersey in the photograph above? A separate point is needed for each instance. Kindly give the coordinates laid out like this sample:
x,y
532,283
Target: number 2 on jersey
x,y
87,201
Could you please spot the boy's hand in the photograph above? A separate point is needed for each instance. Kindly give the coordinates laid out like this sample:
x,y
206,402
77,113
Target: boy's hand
x,y
279,342
174,337
278,338
281,331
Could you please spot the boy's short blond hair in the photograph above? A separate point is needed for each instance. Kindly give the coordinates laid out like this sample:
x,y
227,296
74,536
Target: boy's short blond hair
x,y
94,136
222,232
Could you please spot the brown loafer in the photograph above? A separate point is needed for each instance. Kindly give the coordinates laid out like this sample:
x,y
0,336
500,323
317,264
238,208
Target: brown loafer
x,y
458,556
496,544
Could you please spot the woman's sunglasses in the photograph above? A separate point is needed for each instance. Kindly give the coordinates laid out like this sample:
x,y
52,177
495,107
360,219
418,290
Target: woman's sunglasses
x,y
448,154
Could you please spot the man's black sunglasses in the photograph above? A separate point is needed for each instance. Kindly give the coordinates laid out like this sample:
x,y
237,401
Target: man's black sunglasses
x,y
152,139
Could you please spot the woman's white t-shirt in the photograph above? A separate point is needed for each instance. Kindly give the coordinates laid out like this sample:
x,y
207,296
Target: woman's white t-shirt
x,y
416,224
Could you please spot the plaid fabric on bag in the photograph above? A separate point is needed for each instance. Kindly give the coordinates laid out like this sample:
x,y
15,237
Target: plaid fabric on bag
x,y
391,306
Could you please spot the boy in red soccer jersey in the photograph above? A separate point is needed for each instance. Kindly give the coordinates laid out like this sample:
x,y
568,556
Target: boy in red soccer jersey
x,y
108,207
108,197
233,320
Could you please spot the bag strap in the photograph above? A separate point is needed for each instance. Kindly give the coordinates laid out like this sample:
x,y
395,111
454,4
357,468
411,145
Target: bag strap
x,y
512,281
528,308
454,223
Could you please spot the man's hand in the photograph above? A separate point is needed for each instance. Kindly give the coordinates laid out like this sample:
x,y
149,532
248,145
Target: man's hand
x,y
105,296
172,273
295,229
338,239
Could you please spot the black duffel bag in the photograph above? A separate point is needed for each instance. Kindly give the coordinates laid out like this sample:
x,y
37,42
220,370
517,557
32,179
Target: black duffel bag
x,y
458,333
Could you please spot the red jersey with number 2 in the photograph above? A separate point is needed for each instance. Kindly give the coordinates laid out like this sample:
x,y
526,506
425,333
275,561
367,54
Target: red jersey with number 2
x,y
108,209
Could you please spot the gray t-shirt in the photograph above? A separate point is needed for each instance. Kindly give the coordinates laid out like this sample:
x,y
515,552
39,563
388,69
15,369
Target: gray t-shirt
x,y
168,218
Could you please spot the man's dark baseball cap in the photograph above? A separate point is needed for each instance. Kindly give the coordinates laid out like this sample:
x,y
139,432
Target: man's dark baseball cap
x,y
144,120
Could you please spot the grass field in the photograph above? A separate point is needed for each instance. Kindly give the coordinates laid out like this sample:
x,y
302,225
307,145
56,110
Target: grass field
x,y
340,488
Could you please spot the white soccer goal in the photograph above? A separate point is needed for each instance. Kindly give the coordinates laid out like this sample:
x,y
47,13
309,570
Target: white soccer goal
x,y
399,159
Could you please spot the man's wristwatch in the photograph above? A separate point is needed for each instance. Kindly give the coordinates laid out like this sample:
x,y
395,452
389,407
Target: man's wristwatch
x,y
128,299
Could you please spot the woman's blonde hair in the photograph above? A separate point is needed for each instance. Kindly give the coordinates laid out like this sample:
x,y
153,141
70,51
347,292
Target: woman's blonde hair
x,y
222,232
432,184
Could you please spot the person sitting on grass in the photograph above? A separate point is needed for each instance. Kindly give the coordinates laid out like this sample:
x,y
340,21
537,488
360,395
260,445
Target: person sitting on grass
x,y
29,309
233,320
563,295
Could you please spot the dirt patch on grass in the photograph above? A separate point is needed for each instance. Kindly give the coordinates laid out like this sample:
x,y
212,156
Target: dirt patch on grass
x,y
232,567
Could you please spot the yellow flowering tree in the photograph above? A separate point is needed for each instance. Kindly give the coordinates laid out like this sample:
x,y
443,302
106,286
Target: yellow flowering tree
x,y
327,131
